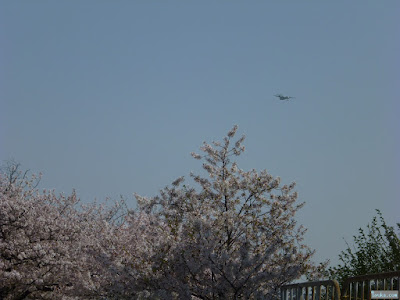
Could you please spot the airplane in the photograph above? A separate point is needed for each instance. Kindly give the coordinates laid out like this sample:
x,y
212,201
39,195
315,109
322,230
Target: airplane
x,y
281,97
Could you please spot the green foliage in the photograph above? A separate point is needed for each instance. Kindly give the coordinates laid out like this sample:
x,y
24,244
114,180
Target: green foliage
x,y
376,250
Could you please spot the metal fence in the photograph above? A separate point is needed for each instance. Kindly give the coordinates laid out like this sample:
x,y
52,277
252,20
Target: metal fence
x,y
354,288
360,287
315,290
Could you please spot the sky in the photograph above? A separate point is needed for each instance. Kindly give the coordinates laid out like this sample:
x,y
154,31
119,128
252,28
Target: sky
x,y
110,97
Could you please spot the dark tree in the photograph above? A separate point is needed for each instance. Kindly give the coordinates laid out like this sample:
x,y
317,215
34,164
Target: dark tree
x,y
375,250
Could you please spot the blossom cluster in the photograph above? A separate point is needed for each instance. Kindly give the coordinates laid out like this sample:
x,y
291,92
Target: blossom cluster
x,y
233,236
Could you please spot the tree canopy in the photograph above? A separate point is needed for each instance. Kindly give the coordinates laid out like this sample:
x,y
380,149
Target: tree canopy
x,y
231,236
375,250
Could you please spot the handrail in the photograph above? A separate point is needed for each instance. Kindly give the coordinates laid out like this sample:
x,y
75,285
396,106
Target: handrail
x,y
301,291
352,284
354,288
374,276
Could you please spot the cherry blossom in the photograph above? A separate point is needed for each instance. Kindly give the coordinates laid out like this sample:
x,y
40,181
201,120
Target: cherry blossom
x,y
233,237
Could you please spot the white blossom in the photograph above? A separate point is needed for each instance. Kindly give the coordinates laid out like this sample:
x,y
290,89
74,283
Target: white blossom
x,y
233,235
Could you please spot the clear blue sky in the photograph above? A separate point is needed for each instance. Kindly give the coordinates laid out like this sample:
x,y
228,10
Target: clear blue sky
x,y
110,98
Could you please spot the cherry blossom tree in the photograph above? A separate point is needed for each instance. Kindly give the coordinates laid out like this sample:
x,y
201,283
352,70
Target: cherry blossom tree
x,y
36,257
234,237
50,249
130,269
